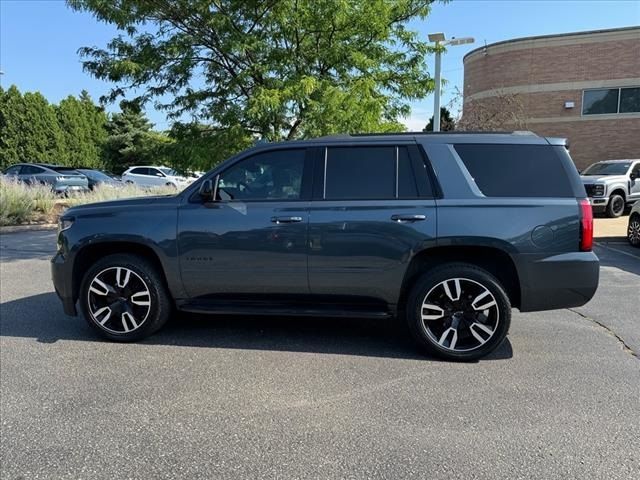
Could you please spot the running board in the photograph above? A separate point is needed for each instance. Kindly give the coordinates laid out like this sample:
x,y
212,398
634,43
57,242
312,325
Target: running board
x,y
268,308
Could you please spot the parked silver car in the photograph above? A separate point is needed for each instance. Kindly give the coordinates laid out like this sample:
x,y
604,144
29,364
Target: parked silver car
x,y
63,180
633,231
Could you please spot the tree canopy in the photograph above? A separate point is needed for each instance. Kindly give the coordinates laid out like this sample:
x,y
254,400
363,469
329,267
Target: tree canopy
x,y
271,69
447,122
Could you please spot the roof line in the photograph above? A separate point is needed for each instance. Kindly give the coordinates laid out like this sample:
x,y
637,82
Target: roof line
x,y
553,35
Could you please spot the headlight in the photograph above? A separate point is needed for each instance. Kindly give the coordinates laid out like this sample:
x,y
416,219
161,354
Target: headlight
x,y
65,223
598,190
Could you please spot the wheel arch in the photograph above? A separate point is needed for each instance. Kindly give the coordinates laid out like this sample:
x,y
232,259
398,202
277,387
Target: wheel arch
x,y
89,254
618,190
494,260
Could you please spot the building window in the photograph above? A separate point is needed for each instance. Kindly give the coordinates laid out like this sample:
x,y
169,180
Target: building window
x,y
611,100
630,100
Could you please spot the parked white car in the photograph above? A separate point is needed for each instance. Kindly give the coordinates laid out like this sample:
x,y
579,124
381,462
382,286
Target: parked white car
x,y
150,176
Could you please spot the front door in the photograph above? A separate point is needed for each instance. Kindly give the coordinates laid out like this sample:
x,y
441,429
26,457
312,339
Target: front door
x,y
376,209
252,240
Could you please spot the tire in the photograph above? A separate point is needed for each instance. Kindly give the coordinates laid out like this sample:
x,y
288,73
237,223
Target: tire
x,y
454,328
106,284
633,231
616,206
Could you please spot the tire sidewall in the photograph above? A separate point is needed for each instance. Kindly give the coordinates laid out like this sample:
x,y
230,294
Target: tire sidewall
x,y
634,218
429,280
610,212
158,312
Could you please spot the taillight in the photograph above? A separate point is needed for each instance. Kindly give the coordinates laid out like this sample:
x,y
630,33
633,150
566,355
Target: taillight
x,y
586,226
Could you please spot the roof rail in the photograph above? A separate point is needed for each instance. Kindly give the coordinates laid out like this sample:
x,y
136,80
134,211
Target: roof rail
x,y
449,132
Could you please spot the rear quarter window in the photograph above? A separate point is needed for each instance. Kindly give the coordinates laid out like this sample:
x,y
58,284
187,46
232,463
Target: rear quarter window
x,y
516,170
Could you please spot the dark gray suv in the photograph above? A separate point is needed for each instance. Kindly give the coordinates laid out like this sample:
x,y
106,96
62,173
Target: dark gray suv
x,y
445,231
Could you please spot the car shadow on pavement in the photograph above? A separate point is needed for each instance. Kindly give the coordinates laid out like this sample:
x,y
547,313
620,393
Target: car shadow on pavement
x,y
41,317
621,256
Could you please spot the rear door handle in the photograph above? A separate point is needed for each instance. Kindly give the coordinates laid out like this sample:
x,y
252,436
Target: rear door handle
x,y
280,220
408,218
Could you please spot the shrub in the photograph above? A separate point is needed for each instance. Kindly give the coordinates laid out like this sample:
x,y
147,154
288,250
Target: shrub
x,y
21,203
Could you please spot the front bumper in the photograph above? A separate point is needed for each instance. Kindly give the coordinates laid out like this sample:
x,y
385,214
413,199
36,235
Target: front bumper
x,y
559,281
62,282
598,204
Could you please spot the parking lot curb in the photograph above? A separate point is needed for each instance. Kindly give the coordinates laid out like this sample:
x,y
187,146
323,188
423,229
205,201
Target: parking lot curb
x,y
27,228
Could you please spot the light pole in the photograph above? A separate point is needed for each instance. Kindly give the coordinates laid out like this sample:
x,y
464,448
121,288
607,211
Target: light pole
x,y
440,41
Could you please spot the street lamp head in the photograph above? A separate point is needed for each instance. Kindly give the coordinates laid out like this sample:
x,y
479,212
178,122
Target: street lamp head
x,y
436,37
460,41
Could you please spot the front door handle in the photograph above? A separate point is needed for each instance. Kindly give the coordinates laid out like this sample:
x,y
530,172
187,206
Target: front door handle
x,y
408,218
280,220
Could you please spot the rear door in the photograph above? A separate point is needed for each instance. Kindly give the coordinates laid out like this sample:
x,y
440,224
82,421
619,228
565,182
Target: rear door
x,y
140,176
373,207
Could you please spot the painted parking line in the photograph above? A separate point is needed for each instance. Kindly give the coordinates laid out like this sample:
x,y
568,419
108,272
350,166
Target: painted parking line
x,y
606,245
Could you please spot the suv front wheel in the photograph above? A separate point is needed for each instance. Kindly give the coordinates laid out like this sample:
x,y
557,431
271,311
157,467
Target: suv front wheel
x,y
123,297
458,312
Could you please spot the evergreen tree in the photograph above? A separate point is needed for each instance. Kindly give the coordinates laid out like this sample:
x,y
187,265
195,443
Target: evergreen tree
x,y
84,128
447,123
129,138
29,129
96,120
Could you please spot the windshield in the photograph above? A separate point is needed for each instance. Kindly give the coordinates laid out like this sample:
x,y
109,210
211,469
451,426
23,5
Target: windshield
x,y
97,175
168,171
608,168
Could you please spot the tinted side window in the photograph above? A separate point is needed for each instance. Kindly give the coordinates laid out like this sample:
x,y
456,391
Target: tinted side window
x,y
516,170
30,170
360,173
140,171
15,170
274,175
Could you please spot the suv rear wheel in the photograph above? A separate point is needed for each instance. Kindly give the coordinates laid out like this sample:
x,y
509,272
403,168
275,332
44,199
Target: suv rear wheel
x,y
123,297
458,312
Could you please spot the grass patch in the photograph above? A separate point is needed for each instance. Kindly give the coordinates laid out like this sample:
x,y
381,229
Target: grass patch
x,y
25,204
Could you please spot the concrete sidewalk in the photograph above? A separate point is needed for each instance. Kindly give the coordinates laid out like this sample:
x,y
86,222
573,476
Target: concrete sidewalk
x,y
610,228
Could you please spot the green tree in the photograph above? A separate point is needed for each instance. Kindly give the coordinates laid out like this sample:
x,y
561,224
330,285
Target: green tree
x,y
29,129
95,120
83,147
447,122
269,69
130,140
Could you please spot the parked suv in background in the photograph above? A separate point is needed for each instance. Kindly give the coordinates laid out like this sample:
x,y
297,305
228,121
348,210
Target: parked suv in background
x,y
62,180
612,185
446,231
155,177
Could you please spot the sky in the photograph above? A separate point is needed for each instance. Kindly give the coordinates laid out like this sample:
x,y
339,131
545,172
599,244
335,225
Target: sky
x,y
39,40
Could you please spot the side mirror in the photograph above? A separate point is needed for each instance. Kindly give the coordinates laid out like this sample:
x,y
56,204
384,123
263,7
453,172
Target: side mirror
x,y
207,190
633,176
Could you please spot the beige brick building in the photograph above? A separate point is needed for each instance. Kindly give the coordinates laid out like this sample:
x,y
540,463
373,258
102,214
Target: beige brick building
x,y
584,86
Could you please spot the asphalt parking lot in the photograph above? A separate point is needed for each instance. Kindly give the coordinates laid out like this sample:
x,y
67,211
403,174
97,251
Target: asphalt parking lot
x,y
297,398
